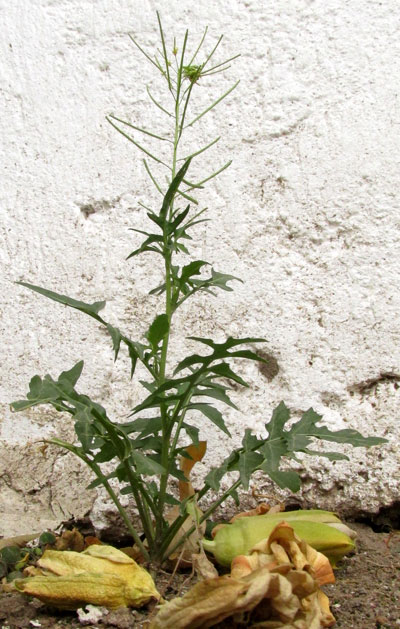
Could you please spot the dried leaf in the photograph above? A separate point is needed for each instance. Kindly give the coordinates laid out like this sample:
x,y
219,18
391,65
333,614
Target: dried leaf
x,y
203,566
192,544
261,509
70,540
275,586
196,454
100,575
18,540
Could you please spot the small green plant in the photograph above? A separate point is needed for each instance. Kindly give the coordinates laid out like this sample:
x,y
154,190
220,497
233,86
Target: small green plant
x,y
146,450
14,559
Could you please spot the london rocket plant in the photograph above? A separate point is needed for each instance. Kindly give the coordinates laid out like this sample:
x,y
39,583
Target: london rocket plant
x,y
140,456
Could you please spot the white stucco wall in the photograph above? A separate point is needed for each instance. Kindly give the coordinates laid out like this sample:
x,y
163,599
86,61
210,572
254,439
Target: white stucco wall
x,y
307,214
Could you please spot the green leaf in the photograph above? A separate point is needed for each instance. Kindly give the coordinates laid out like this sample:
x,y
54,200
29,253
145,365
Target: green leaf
x,y
213,414
193,268
10,554
192,432
171,500
90,309
224,371
85,431
71,376
214,477
47,538
135,351
106,453
221,348
302,431
247,464
275,446
177,219
143,425
273,450
170,194
250,441
289,479
145,465
216,392
148,245
158,329
116,337
220,280
332,456
280,416
234,494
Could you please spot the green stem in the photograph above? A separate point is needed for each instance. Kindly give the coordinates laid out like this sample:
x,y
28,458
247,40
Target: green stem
x,y
176,525
142,507
96,469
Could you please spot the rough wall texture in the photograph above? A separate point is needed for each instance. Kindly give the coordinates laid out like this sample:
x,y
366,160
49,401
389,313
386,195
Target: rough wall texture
x,y
307,214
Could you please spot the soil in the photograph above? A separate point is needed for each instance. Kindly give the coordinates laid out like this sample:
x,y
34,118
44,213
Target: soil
x,y
366,594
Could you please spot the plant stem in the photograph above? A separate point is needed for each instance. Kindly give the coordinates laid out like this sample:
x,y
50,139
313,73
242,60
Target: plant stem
x,y
96,469
176,525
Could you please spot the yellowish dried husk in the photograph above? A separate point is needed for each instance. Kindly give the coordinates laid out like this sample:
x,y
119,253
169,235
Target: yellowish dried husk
x,y
101,575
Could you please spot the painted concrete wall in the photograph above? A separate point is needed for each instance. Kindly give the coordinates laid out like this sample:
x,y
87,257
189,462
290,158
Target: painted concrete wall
x,y
307,214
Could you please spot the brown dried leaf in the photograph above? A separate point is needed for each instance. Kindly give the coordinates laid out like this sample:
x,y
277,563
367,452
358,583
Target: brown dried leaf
x,y
274,586
203,566
69,540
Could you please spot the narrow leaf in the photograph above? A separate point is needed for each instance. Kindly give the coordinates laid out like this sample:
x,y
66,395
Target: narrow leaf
x,y
213,414
177,180
145,465
90,309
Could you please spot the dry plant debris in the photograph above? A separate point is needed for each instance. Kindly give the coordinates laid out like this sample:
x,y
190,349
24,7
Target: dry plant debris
x,y
276,585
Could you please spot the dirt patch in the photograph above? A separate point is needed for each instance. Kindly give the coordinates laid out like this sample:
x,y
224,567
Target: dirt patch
x,y
366,594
